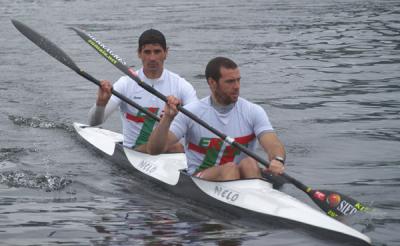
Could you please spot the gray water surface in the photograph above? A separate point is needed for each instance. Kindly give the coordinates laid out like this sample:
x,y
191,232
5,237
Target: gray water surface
x,y
327,72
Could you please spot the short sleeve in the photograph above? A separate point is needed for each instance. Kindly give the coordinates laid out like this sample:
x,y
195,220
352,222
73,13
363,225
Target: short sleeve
x,y
260,121
188,93
119,86
179,125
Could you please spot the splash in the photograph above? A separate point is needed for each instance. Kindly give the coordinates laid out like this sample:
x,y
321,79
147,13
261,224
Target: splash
x,y
28,179
39,122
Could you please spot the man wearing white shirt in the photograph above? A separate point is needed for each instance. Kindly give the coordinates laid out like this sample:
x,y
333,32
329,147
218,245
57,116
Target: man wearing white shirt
x,y
137,127
208,156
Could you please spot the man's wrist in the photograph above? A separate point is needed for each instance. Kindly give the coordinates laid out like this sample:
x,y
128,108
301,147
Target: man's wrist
x,y
168,118
101,103
280,159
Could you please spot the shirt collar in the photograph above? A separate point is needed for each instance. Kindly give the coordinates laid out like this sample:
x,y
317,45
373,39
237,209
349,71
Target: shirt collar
x,y
152,81
222,109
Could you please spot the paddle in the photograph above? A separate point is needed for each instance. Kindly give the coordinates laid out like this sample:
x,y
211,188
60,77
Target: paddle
x,y
161,171
333,203
62,57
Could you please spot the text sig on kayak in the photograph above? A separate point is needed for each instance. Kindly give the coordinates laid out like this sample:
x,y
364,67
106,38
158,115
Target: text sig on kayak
x,y
147,166
226,194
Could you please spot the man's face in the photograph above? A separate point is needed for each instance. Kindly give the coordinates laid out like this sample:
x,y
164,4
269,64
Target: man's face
x,y
227,89
153,57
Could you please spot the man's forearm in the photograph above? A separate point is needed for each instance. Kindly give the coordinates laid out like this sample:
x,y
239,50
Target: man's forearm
x,y
158,140
272,145
98,114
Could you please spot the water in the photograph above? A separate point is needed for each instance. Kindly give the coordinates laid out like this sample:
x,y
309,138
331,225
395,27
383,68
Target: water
x,y
327,72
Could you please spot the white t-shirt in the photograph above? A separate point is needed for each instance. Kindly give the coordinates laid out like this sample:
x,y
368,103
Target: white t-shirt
x,y
244,122
137,127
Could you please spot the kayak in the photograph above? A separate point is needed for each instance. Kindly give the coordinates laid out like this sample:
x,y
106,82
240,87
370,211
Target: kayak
x,y
253,199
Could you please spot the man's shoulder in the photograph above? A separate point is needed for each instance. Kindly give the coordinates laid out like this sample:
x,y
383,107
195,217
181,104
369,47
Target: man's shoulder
x,y
126,85
242,102
124,80
171,76
196,105
122,83
248,108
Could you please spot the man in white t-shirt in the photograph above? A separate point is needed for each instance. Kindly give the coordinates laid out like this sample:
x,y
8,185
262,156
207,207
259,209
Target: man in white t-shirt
x,y
208,156
137,127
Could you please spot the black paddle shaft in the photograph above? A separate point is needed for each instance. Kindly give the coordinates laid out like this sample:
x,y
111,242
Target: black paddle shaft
x,y
62,57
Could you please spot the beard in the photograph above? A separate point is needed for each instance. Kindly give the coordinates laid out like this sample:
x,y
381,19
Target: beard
x,y
223,97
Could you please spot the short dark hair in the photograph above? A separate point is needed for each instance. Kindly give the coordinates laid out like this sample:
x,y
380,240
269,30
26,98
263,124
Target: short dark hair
x,y
213,69
152,36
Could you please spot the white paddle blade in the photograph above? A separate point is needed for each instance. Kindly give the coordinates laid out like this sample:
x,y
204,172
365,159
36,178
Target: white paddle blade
x,y
164,167
102,139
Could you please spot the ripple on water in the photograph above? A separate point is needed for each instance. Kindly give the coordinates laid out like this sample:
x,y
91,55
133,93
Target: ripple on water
x,y
8,153
388,134
11,154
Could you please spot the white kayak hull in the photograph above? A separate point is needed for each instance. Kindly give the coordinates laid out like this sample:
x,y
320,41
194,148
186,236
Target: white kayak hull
x,y
253,198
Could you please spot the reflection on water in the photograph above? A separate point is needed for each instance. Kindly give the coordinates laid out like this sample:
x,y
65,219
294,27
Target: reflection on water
x,y
114,221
